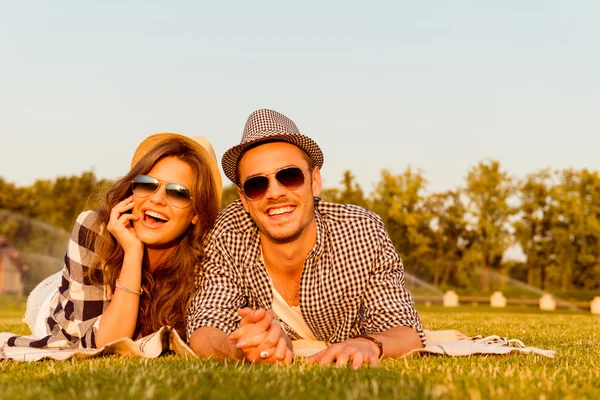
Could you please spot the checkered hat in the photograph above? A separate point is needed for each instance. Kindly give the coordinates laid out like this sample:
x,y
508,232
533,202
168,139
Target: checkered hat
x,y
266,125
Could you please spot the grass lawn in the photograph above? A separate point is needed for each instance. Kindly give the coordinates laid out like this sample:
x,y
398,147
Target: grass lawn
x,y
573,374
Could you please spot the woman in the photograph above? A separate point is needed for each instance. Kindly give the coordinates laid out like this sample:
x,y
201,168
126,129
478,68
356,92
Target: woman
x,y
130,264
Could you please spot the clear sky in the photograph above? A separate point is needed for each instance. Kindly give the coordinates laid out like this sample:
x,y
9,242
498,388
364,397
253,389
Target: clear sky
x,y
439,85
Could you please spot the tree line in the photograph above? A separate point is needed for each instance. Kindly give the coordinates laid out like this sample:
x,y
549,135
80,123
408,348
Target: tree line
x,y
456,238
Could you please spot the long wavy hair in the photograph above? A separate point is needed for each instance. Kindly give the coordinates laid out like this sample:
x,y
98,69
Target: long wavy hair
x,y
168,289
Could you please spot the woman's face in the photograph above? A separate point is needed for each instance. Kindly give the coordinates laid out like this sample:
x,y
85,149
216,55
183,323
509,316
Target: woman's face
x,y
161,224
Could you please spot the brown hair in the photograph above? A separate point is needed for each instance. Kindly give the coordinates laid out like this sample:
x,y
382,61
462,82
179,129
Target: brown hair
x,y
168,289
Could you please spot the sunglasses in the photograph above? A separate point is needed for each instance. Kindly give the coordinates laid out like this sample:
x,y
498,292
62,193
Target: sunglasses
x,y
178,195
290,178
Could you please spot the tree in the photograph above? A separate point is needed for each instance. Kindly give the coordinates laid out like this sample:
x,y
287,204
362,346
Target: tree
x,y
40,216
534,229
576,229
13,198
449,237
399,200
230,195
488,191
350,193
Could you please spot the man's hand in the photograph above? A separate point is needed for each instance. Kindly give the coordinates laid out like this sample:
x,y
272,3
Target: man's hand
x,y
396,341
261,338
357,352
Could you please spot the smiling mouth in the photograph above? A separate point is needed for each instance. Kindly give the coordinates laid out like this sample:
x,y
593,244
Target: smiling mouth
x,y
155,219
272,212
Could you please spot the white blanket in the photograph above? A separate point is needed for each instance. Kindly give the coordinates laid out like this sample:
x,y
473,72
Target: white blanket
x,y
447,343
166,340
163,341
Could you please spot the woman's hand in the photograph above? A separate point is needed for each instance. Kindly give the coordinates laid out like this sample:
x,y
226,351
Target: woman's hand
x,y
120,225
120,317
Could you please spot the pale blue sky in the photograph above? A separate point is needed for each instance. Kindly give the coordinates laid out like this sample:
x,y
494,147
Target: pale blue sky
x,y
438,85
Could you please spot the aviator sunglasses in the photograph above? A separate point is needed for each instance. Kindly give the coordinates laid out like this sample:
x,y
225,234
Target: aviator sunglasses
x,y
178,195
290,178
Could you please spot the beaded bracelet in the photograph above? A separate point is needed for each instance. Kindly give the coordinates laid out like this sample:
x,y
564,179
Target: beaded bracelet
x,y
372,339
125,288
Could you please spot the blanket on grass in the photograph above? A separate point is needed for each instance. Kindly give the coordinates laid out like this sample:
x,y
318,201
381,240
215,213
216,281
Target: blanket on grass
x,y
166,340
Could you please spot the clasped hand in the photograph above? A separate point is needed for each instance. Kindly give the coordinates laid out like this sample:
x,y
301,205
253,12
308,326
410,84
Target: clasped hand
x,y
261,338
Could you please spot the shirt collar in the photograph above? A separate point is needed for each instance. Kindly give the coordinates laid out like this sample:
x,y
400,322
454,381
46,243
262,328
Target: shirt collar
x,y
319,248
253,255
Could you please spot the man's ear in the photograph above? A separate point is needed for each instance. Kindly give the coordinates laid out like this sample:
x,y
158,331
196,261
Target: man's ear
x,y
195,219
242,198
316,182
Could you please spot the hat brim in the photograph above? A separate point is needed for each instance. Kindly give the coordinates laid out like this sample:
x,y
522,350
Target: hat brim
x,y
207,154
231,158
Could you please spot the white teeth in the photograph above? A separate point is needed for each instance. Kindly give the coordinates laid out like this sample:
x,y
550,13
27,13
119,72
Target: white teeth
x,y
279,211
156,215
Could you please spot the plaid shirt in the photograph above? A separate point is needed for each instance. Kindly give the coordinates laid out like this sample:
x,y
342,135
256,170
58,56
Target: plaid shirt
x,y
75,310
352,282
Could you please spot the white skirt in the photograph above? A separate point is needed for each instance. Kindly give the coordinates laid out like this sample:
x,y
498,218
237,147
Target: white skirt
x,y
39,302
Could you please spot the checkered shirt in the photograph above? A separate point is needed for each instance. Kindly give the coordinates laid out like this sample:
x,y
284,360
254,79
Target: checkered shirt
x,y
75,310
352,282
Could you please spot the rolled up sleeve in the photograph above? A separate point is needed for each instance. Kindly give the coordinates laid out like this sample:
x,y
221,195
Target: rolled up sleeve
x,y
386,302
219,293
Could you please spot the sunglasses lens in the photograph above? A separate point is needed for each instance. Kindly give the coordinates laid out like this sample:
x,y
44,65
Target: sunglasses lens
x,y
178,195
291,178
144,186
256,187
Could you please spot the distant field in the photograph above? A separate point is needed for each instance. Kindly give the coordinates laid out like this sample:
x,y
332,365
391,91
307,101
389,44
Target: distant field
x,y
573,374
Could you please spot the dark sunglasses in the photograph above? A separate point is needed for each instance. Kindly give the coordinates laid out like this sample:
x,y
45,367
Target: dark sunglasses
x,y
290,178
178,195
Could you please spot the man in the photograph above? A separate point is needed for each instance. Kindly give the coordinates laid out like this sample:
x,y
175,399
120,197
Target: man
x,y
283,265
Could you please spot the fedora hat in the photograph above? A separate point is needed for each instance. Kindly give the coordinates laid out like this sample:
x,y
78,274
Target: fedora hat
x,y
268,125
198,143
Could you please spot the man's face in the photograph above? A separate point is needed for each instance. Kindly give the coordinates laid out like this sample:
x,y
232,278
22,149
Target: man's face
x,y
282,215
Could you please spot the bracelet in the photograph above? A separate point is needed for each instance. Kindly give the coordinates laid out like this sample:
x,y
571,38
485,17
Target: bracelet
x,y
125,288
372,339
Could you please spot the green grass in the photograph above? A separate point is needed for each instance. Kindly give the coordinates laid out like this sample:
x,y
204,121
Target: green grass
x,y
12,303
573,374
